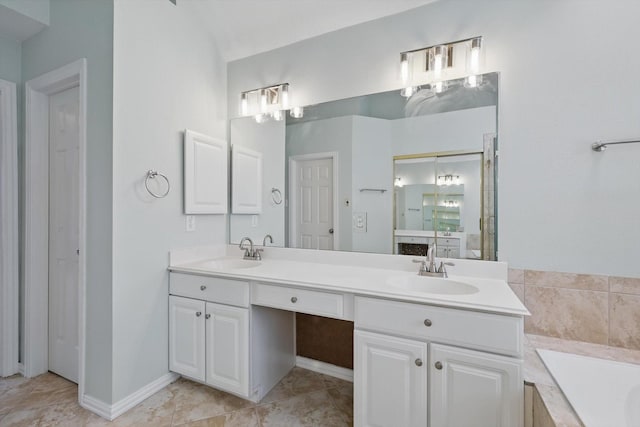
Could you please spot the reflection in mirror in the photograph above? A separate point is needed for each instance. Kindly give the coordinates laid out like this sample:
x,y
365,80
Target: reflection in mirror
x,y
346,169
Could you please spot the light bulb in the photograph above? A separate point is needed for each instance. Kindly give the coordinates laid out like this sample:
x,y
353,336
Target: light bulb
x,y
261,118
284,92
439,56
278,115
408,92
456,180
439,87
404,68
263,100
244,105
474,56
297,112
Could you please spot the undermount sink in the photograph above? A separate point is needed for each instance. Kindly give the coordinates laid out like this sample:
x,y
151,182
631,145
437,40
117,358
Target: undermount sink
x,y
229,264
431,285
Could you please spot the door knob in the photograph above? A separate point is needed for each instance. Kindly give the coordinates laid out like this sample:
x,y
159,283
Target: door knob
x,y
418,362
438,365
203,287
198,313
427,322
207,316
331,231
294,300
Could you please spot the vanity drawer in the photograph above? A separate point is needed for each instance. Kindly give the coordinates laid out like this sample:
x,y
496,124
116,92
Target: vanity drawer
x,y
300,300
415,239
448,242
483,331
214,289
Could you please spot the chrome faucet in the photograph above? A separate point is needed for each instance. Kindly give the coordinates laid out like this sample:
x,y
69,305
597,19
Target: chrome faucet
x,y
428,265
250,252
264,241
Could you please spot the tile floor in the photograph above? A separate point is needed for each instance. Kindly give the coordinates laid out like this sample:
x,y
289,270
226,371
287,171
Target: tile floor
x,y
302,398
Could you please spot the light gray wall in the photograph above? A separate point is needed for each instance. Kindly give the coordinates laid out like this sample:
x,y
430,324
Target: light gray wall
x,y
557,96
84,29
330,135
269,139
372,167
34,9
168,76
10,63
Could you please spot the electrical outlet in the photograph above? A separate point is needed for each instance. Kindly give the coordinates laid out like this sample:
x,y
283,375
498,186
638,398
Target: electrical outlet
x,y
190,223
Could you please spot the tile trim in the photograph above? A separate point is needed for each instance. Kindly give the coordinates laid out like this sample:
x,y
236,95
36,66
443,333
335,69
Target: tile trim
x,y
111,412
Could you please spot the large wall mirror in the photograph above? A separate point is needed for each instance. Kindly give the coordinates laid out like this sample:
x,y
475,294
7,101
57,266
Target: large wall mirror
x,y
380,173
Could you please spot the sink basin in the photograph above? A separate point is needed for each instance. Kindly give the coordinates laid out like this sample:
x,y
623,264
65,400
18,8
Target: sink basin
x,y
431,285
228,264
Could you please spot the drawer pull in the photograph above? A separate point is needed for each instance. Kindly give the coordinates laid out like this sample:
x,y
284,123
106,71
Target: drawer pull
x,y
203,287
438,366
418,362
207,316
427,322
294,300
198,313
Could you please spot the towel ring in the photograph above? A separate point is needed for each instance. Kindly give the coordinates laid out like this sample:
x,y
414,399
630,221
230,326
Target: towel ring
x,y
151,174
276,196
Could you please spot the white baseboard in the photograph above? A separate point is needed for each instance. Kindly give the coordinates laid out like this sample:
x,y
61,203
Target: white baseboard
x,y
111,412
325,368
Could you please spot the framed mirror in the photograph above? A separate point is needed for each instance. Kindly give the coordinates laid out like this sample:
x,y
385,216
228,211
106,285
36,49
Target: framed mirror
x,y
362,174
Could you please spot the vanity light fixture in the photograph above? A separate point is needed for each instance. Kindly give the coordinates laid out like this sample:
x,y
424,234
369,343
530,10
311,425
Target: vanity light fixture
x,y
434,65
448,180
266,103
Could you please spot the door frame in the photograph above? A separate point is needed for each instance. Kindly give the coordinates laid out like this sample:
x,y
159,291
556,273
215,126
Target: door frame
x,y
9,258
293,198
36,228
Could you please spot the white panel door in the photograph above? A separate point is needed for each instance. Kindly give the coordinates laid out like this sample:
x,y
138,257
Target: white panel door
x,y
187,337
470,388
314,210
205,174
390,381
64,230
246,181
227,353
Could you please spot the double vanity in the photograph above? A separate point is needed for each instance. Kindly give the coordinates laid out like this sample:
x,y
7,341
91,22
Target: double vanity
x,y
427,351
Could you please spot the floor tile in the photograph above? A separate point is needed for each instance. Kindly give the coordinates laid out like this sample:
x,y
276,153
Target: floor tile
x,y
196,402
309,410
242,418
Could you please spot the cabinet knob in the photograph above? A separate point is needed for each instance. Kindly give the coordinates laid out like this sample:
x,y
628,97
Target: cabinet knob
x,y
438,365
294,300
427,322
418,362
207,316
198,313
203,287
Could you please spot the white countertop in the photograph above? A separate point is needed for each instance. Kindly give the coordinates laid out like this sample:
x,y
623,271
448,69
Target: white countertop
x,y
333,272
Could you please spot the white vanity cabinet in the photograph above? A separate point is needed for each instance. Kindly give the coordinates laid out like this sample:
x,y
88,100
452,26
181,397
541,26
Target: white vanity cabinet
x,y
209,341
452,367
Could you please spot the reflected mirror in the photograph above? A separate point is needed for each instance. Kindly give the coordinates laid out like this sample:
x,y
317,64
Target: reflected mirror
x,y
380,173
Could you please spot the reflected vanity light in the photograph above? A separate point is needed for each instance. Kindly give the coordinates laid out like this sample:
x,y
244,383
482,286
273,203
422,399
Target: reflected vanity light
x,y
437,64
448,180
398,182
296,112
266,103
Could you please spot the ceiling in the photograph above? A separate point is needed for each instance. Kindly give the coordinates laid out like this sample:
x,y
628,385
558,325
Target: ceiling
x,y
246,27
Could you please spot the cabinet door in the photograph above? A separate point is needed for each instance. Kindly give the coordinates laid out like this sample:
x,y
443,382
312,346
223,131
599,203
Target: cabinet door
x,y
186,337
470,388
205,174
390,381
228,348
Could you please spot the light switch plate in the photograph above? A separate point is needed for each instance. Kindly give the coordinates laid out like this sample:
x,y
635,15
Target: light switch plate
x,y
360,222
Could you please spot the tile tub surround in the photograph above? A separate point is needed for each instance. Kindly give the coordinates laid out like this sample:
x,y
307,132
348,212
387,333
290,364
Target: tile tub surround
x,y
550,407
302,398
580,307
